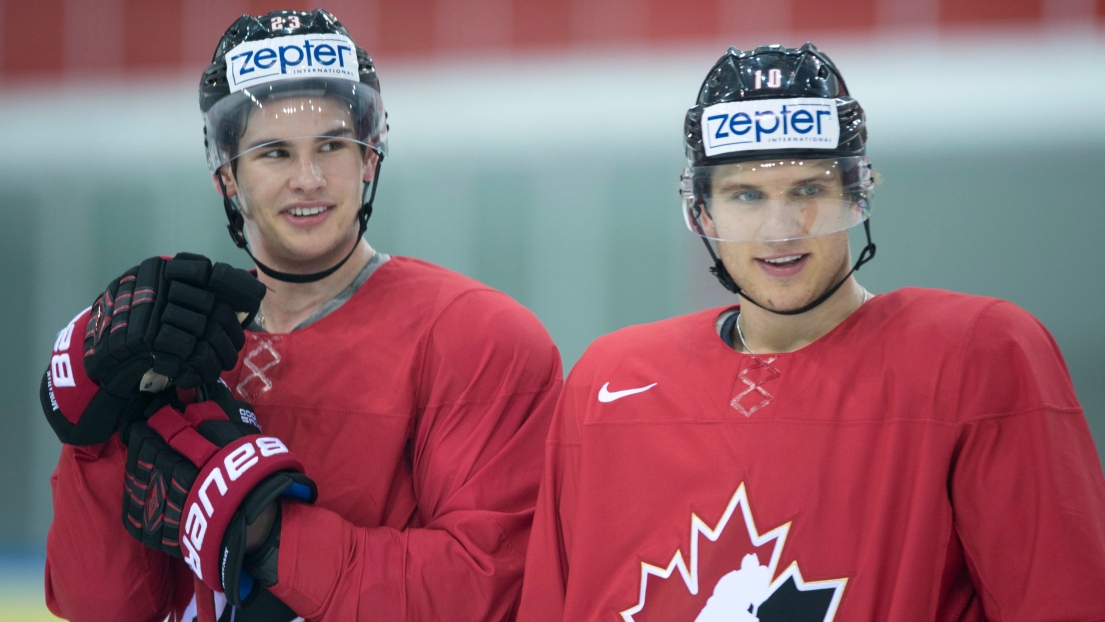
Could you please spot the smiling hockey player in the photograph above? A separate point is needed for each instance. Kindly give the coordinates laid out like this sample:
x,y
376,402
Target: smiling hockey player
x,y
385,460
815,452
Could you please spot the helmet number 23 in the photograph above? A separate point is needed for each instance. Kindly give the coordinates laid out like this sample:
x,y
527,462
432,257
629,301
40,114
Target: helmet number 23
x,y
774,78
292,23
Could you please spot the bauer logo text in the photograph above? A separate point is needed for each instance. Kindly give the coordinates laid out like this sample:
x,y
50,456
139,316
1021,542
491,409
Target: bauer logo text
x,y
201,507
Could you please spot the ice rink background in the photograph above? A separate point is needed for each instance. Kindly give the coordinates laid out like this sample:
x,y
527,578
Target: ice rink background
x,y
552,175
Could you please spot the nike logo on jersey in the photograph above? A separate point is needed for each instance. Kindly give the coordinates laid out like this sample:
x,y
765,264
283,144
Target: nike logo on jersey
x,y
606,395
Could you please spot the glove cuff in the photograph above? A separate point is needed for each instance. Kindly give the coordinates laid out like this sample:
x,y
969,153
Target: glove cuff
x,y
239,569
221,486
100,416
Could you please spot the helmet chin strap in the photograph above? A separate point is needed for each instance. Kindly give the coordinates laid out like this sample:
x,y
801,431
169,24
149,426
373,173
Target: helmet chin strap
x,y
236,222
718,269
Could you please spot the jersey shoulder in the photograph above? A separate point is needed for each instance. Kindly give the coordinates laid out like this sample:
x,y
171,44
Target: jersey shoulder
x,y
1001,358
673,349
681,338
412,293
464,324
926,307
948,320
631,360
430,283
452,296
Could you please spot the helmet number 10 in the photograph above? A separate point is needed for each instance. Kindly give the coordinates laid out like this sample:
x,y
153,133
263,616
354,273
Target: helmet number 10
x,y
292,23
774,78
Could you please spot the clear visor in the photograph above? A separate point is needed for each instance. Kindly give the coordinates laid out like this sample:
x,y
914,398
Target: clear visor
x,y
776,200
310,111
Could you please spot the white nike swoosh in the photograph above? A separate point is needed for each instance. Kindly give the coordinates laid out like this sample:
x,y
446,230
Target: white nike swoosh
x,y
606,395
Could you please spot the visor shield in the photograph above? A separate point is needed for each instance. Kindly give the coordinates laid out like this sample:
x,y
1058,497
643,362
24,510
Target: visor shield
x,y
776,200
267,115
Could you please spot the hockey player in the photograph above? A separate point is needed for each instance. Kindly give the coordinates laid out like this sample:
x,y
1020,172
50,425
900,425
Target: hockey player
x,y
407,405
815,452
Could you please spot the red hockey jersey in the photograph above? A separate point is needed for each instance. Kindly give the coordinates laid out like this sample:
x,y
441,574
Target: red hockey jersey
x,y
420,407
925,460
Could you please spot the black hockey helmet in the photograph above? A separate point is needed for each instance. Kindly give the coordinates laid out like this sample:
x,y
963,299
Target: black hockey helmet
x,y
285,54
775,72
214,84
770,107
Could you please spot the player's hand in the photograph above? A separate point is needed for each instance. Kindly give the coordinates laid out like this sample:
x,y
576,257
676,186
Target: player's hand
x,y
198,477
176,317
180,317
78,410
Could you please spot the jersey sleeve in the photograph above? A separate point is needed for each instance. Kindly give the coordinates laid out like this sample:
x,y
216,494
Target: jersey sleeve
x,y
1027,485
546,577
94,569
489,379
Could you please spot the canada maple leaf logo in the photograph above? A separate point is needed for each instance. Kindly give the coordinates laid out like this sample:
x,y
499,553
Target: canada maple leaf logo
x,y
728,581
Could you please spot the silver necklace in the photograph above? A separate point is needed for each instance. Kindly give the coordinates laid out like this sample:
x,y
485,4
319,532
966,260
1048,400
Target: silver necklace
x,y
740,335
744,344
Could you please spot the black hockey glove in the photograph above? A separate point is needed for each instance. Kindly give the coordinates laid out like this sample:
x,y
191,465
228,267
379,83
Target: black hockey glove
x,y
176,317
165,319
79,411
197,476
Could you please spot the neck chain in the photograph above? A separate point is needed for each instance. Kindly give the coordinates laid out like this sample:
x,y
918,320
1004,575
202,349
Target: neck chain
x,y
744,344
740,335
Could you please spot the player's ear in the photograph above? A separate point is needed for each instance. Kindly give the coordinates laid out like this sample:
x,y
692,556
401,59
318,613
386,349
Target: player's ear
x,y
227,182
370,160
708,225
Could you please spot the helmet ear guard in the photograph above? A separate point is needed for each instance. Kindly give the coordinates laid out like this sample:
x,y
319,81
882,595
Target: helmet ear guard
x,y
235,221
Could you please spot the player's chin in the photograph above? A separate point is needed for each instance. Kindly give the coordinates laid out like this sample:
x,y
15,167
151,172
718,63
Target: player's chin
x,y
309,258
325,249
781,297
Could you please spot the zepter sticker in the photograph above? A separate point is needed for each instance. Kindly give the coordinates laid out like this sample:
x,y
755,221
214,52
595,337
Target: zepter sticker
x,y
295,56
769,124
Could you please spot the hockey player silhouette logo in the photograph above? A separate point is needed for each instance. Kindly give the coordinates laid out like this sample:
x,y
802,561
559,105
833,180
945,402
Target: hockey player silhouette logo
x,y
739,594
731,574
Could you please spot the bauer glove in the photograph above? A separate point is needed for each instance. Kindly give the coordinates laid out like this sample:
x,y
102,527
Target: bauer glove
x,y
176,317
171,317
197,476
